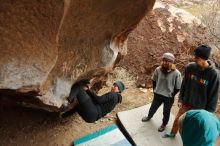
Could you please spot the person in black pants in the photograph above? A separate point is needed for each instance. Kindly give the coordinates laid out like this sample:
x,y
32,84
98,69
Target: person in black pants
x,y
92,107
166,84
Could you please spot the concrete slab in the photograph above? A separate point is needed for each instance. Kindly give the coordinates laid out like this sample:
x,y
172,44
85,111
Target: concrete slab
x,y
145,133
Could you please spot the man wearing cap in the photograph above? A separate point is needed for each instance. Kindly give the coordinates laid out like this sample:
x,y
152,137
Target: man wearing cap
x,y
200,86
166,84
90,106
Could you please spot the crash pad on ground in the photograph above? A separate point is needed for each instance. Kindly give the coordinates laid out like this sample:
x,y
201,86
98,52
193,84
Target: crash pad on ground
x,y
146,133
108,136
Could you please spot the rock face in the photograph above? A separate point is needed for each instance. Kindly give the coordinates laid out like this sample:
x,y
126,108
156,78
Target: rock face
x,y
48,45
166,29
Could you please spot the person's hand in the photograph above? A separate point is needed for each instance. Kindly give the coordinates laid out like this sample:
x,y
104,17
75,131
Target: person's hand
x,y
66,103
85,87
64,106
180,104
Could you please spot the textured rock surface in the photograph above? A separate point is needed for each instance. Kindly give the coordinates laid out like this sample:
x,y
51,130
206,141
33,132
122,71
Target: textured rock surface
x,y
166,29
47,45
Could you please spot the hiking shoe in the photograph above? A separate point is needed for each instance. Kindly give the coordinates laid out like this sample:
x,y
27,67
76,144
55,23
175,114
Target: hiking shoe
x,y
145,119
64,107
69,112
169,135
161,128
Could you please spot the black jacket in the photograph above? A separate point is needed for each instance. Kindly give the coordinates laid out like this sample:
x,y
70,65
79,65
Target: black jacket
x,y
199,88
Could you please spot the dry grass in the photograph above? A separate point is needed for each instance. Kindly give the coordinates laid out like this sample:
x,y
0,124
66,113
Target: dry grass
x,y
123,75
199,8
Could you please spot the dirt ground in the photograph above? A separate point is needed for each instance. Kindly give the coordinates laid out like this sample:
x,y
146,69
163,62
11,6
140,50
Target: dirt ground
x,y
29,127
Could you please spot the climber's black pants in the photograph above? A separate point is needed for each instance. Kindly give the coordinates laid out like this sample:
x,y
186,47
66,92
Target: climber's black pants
x,y
89,111
167,104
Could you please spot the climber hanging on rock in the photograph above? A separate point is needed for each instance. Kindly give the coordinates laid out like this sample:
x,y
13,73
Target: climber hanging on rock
x,y
90,106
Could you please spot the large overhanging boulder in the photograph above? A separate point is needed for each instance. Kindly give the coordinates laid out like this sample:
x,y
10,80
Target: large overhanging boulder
x,y
48,45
